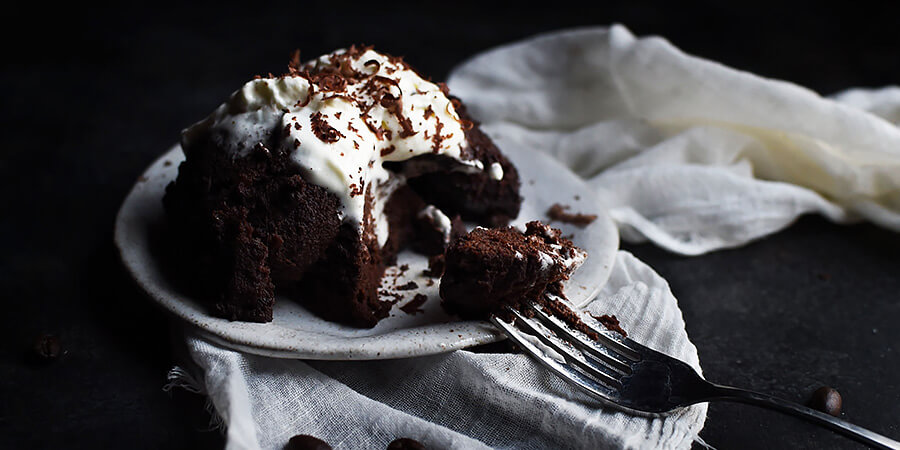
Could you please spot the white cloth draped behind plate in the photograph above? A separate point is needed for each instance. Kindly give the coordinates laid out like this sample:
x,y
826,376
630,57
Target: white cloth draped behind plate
x,y
685,152
459,400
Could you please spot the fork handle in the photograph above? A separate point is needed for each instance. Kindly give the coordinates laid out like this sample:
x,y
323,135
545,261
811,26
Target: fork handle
x,y
858,433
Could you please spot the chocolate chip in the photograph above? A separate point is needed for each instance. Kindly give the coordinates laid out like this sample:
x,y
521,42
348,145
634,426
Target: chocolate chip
x,y
827,400
46,348
306,442
405,444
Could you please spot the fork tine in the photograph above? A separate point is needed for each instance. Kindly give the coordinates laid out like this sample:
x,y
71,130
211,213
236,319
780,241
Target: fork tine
x,y
562,370
613,346
602,373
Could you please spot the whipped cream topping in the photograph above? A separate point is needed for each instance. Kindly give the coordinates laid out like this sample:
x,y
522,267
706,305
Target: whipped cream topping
x,y
342,116
496,171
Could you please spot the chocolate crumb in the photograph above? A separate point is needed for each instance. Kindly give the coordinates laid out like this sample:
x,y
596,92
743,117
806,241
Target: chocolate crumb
x,y
394,295
558,212
414,305
408,286
435,266
611,323
167,163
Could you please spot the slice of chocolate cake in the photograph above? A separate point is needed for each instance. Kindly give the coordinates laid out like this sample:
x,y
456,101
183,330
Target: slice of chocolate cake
x,y
489,269
310,182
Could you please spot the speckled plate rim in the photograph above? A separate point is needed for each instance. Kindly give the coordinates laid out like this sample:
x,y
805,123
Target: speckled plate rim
x,y
542,175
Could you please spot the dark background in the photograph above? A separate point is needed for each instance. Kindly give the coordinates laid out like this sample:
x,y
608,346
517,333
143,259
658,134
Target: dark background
x,y
91,95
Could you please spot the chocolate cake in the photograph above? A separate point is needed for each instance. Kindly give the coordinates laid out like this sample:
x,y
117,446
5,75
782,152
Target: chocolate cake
x,y
309,183
488,269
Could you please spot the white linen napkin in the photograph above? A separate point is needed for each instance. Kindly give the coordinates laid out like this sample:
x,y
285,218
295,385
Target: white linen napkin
x,y
459,400
687,153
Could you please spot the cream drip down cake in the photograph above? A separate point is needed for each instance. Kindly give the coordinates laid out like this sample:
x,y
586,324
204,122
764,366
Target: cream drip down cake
x,y
311,182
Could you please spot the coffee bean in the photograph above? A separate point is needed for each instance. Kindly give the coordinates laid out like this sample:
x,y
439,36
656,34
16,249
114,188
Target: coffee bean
x,y
306,442
46,348
405,444
828,400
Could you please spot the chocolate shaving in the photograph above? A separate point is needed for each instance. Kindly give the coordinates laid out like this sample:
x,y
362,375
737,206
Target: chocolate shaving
x,y
558,212
385,80
356,189
330,82
438,137
373,62
309,93
394,106
377,131
324,131
387,151
294,65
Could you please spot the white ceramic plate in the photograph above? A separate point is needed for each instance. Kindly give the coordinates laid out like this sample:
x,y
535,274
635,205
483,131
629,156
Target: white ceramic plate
x,y
297,333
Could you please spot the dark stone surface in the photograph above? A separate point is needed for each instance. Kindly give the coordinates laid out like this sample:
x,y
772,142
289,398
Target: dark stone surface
x,y
93,95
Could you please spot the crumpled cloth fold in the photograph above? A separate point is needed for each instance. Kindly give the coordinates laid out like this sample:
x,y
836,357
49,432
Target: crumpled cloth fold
x,y
686,152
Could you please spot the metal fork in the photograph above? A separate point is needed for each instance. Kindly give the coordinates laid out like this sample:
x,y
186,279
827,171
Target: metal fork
x,y
631,377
